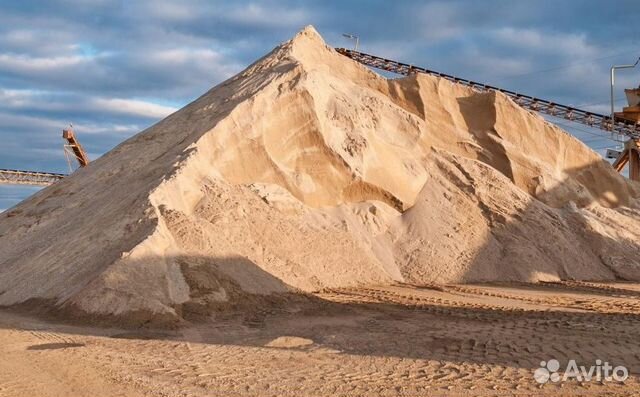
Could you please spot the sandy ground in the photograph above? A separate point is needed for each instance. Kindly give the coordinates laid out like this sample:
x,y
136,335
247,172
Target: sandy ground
x,y
395,340
308,172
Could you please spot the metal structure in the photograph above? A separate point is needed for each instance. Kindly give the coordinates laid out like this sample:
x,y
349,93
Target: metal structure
x,y
619,126
631,152
73,149
630,155
353,37
613,82
15,177
631,112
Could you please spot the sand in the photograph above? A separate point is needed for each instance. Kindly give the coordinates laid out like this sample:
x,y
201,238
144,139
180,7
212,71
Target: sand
x,y
454,340
308,171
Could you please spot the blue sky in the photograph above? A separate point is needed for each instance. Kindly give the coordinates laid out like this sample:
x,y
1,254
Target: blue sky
x,y
113,68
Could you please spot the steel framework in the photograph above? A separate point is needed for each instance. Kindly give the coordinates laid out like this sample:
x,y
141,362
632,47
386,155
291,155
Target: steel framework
x,y
73,149
16,177
620,126
630,155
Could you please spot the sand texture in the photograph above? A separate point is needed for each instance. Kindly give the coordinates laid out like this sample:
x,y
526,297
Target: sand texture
x,y
308,171
453,340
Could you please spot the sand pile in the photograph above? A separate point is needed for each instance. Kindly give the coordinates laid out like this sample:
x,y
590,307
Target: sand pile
x,y
307,170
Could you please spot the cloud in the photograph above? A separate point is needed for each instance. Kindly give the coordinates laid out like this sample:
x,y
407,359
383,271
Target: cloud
x,y
66,105
165,72
36,41
441,21
256,14
26,64
115,130
133,107
114,68
171,10
569,45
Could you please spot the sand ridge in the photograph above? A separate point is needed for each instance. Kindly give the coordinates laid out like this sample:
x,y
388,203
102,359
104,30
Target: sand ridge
x,y
309,171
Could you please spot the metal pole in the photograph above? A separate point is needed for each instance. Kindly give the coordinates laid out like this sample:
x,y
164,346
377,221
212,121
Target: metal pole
x,y
613,71
352,37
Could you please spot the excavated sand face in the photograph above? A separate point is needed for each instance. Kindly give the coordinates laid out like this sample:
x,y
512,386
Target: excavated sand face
x,y
307,170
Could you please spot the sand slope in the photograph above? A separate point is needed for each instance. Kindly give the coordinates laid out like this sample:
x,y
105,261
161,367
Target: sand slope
x,y
307,170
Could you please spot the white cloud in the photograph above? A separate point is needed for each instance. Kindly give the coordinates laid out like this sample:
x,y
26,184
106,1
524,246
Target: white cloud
x,y
133,107
503,66
258,15
183,55
543,63
24,63
16,98
50,127
390,49
253,14
20,37
567,44
49,101
439,21
109,129
188,66
13,121
171,10
36,41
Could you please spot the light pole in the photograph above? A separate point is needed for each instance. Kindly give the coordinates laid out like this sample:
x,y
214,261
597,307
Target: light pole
x,y
352,37
613,81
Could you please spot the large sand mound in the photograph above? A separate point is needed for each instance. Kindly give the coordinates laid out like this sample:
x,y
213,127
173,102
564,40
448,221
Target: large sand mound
x,y
307,170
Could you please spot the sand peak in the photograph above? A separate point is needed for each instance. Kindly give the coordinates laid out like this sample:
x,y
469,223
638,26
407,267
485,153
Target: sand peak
x,y
307,171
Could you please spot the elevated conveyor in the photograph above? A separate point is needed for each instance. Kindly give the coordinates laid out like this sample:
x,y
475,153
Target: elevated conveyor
x,y
17,177
620,126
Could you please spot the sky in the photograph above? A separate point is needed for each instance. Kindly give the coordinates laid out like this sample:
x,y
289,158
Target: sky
x,y
113,68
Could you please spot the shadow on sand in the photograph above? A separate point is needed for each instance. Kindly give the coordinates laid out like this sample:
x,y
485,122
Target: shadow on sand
x,y
396,322
221,312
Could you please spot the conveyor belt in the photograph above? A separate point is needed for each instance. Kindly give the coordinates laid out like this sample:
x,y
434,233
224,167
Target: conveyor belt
x,y
595,120
16,177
